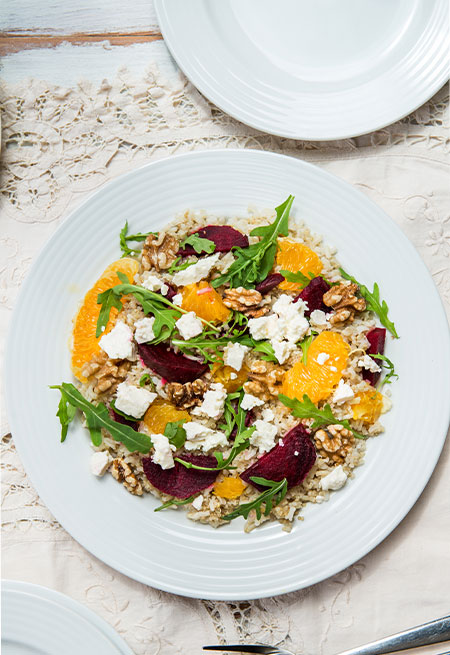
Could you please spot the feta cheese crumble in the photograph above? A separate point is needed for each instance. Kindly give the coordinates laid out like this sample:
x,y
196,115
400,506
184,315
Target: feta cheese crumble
x,y
268,415
234,354
318,318
213,401
334,480
118,344
196,272
343,393
144,330
154,283
132,400
249,401
199,437
369,364
197,503
163,451
189,325
100,462
177,299
264,435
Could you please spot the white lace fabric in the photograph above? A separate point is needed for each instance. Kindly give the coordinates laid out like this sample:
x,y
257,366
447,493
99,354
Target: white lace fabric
x,y
61,144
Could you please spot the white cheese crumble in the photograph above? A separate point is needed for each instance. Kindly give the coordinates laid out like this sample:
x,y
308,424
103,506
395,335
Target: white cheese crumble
x,y
343,393
334,480
268,415
249,401
213,401
199,437
189,325
132,400
154,283
318,318
264,435
163,451
197,503
368,363
322,358
264,327
177,300
144,330
234,354
100,462
196,272
282,349
118,344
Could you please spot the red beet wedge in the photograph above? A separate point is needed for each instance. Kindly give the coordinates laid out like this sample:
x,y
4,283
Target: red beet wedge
x,y
224,236
180,481
313,294
292,460
269,283
174,367
376,337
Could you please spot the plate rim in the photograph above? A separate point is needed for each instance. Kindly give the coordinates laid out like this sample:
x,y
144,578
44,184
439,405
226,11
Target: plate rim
x,y
194,76
401,512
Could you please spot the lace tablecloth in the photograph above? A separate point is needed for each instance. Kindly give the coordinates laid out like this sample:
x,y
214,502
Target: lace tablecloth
x,y
60,144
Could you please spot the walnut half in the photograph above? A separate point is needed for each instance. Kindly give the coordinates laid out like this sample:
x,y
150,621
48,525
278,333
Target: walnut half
x,y
343,299
265,379
246,301
105,373
334,443
159,252
185,395
122,472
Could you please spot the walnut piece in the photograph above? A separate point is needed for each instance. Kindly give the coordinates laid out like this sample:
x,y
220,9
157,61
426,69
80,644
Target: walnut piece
x,y
265,378
159,251
122,472
186,395
246,301
105,373
343,299
334,443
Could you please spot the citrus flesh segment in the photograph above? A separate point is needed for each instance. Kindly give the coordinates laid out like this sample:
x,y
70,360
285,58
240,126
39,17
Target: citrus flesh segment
x,y
160,413
293,256
202,299
84,341
231,379
315,379
229,488
369,407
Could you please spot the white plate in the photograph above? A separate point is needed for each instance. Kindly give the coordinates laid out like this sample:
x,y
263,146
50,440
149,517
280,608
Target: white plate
x,y
40,621
311,69
166,550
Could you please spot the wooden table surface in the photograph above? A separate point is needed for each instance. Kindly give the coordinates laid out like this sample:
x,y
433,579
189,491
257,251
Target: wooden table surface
x,y
63,42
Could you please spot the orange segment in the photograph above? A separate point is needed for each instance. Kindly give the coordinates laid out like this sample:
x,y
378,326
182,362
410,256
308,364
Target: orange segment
x,y
160,413
369,407
314,379
229,488
294,257
205,302
84,341
225,375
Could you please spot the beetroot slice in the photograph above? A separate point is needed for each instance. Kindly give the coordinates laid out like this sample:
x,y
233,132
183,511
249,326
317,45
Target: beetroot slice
x,y
180,481
174,367
269,283
376,337
313,295
171,292
224,236
282,462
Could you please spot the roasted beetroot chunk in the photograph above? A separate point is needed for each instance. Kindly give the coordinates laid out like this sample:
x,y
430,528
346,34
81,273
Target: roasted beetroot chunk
x,y
376,337
174,367
180,481
269,283
283,462
313,294
171,292
224,236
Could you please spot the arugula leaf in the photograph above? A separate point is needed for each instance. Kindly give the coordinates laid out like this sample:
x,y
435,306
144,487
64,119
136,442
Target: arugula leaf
x,y
97,417
264,347
254,263
175,266
175,433
305,344
65,413
374,302
307,409
124,237
298,277
108,299
386,363
146,378
172,502
199,244
273,496
209,345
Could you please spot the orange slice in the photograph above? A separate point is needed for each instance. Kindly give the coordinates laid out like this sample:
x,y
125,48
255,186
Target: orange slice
x,y
294,257
229,488
160,413
225,375
84,341
314,379
369,407
202,299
